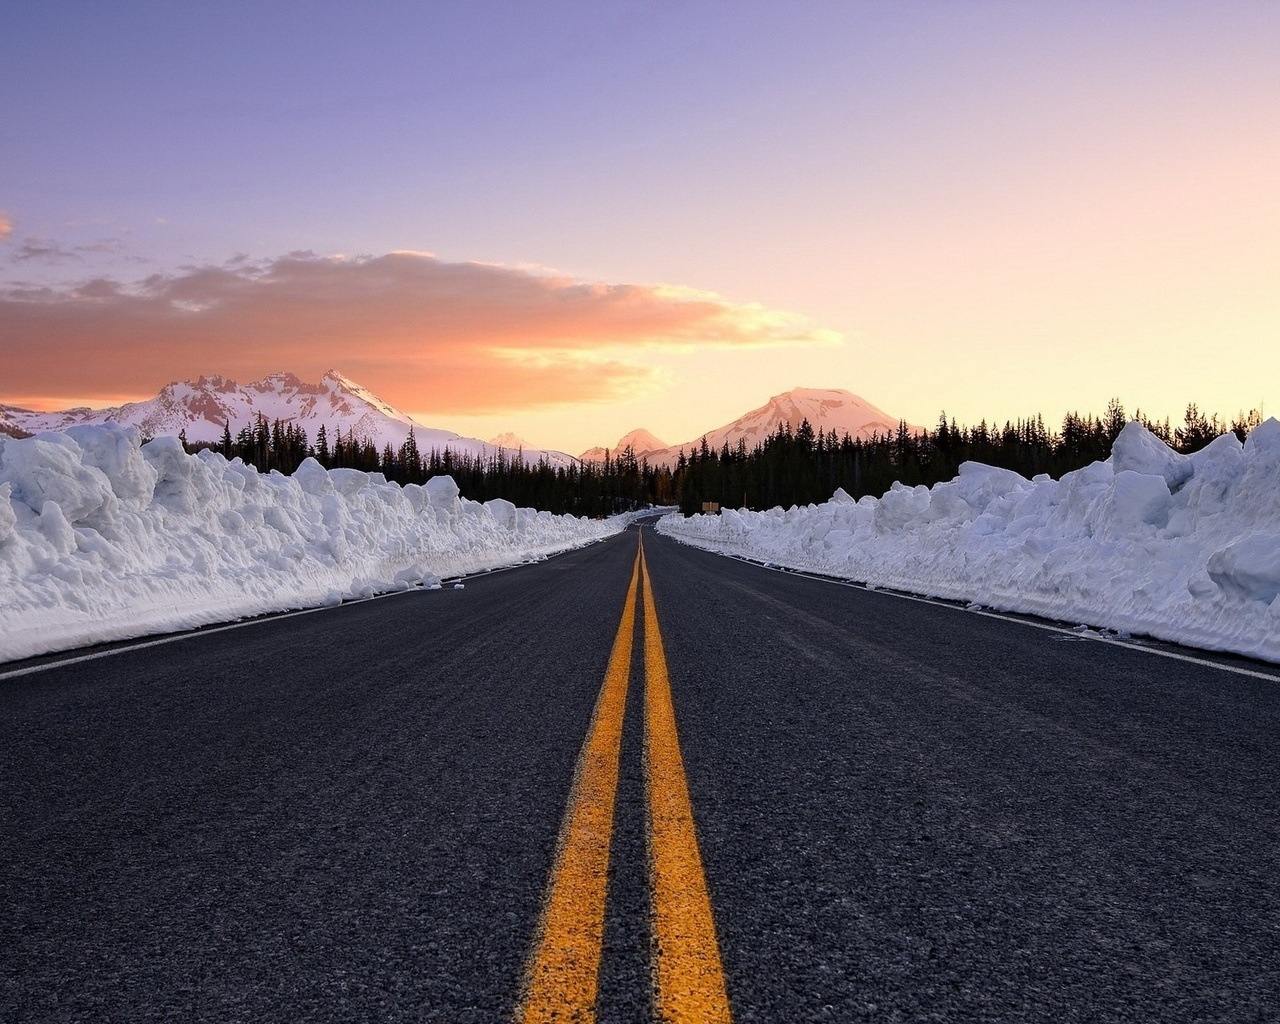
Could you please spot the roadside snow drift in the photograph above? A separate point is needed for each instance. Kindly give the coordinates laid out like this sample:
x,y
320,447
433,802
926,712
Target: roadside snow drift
x,y
101,539
1185,548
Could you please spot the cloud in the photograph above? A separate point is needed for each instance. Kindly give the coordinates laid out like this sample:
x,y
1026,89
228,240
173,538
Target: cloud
x,y
35,249
423,333
110,246
43,250
6,225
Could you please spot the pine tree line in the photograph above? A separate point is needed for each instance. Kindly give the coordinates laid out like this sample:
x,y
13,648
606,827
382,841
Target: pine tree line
x,y
788,468
803,466
584,489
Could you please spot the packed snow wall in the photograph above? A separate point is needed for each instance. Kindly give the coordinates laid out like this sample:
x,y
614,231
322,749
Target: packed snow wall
x,y
1184,548
103,538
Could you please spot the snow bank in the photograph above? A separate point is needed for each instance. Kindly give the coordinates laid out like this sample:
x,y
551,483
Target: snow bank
x,y
101,539
1185,548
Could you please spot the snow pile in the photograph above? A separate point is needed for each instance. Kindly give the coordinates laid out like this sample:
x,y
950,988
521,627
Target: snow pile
x,y
101,539
1185,548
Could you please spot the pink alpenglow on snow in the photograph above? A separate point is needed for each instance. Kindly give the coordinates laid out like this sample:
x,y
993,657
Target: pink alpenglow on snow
x,y
642,444
825,409
203,408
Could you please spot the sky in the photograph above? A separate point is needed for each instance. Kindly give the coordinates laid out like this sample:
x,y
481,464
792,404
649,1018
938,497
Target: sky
x,y
571,219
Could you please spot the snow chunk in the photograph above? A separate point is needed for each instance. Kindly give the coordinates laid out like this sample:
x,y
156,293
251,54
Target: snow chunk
x,y
313,478
50,468
347,482
1248,569
57,530
1135,499
115,450
181,481
503,511
1264,439
980,485
442,492
1139,450
8,518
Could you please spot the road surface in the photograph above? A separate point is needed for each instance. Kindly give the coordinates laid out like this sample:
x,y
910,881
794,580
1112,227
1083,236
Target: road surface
x,y
900,811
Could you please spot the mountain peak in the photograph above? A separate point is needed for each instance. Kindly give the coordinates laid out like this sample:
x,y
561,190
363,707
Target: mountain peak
x,y
641,442
510,440
818,395
827,409
276,382
203,408
213,382
337,384
339,380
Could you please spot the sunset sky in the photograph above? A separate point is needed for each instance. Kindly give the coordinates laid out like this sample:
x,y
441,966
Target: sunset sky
x,y
569,219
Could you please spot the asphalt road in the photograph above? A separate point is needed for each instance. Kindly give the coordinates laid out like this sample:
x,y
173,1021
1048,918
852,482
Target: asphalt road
x,y
905,812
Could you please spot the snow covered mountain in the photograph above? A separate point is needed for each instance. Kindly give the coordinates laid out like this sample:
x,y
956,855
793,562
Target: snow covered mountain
x,y
8,426
643,443
826,409
202,407
510,441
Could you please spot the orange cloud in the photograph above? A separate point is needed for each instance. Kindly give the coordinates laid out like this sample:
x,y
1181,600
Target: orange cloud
x,y
452,337
6,225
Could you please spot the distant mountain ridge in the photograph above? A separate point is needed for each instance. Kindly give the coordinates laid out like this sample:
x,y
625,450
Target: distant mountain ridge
x,y
826,409
202,407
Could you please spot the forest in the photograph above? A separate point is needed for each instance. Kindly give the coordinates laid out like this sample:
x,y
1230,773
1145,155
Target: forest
x,y
791,467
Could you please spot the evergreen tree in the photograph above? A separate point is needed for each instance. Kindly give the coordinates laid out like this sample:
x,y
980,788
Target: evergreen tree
x,y
322,446
1196,431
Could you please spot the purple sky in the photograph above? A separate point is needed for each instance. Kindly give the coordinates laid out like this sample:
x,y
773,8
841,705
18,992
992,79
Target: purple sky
x,y
992,208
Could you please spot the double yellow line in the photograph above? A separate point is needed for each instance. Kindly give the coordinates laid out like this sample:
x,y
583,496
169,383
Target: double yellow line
x,y
561,977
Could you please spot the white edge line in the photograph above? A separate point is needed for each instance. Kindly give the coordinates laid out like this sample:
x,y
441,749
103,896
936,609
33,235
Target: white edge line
x,y
197,631
872,589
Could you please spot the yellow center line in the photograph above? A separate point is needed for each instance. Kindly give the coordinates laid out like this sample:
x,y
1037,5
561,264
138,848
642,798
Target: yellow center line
x,y
562,976
688,974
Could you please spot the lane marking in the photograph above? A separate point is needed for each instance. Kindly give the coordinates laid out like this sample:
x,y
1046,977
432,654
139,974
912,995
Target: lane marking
x,y
986,613
174,638
688,974
562,976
